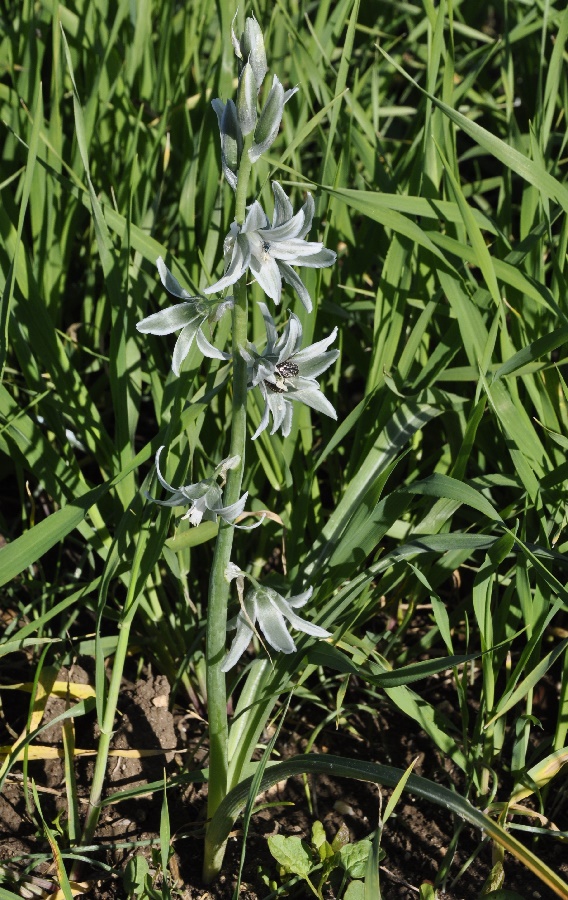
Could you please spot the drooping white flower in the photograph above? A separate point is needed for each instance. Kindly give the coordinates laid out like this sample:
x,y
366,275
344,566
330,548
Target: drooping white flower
x,y
205,498
263,605
270,250
189,316
284,373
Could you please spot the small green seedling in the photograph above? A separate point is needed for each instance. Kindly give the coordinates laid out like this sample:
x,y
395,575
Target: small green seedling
x,y
321,859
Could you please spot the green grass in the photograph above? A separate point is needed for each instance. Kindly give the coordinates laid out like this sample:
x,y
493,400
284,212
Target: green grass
x,y
433,138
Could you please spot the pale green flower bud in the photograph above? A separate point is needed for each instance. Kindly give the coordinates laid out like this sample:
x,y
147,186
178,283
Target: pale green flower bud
x,y
270,118
231,139
251,48
246,100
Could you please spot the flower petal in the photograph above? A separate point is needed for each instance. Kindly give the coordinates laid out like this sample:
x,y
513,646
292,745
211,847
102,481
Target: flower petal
x,y
308,210
237,267
171,283
271,333
255,219
305,626
300,599
285,231
271,622
283,209
314,367
286,427
290,339
278,405
240,643
269,120
314,350
265,415
296,621
162,480
169,320
230,513
293,250
184,342
294,280
177,500
209,350
268,276
318,260
316,400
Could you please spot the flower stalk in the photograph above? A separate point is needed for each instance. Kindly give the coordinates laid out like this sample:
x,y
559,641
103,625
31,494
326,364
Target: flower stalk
x,y
285,373
216,630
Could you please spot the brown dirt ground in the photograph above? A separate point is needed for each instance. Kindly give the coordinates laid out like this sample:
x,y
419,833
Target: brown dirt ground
x,y
416,839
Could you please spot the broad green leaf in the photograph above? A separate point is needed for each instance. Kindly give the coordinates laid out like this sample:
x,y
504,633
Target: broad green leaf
x,y
353,858
291,853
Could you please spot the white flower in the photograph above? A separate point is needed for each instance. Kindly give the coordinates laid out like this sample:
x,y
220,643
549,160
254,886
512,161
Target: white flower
x,y
284,373
265,606
205,497
189,316
270,250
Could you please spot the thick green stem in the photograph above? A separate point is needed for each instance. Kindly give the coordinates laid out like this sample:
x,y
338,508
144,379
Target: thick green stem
x,y
107,725
216,634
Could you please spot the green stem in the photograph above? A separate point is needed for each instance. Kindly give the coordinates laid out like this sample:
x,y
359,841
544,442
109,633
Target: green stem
x,y
107,725
216,632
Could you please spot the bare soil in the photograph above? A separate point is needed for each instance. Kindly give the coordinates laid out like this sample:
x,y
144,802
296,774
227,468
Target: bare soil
x,y
416,840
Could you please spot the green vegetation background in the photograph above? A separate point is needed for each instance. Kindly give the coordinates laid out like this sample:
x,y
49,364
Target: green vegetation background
x,y
434,140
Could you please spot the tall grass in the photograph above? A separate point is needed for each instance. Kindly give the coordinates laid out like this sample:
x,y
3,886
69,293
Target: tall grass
x,y
434,140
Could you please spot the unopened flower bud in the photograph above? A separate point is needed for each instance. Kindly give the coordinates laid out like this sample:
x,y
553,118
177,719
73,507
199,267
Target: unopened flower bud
x,y
270,118
252,48
231,139
246,100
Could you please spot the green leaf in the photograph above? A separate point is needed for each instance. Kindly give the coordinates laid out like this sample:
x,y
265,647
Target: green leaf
x,y
292,854
443,486
29,547
372,883
528,169
353,858
135,874
193,537
355,891
395,796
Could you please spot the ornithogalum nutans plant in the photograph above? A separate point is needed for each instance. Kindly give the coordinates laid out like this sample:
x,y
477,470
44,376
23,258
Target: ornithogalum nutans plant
x,y
285,373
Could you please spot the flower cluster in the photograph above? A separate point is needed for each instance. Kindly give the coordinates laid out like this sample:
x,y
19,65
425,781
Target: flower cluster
x,y
283,371
236,121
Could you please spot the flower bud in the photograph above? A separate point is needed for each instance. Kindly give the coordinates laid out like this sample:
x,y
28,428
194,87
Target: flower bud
x,y
246,100
231,139
252,48
270,118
